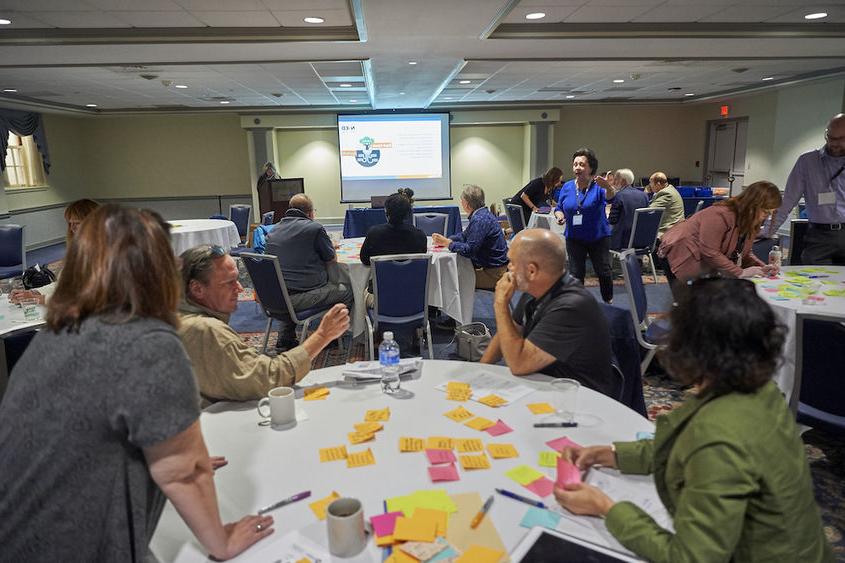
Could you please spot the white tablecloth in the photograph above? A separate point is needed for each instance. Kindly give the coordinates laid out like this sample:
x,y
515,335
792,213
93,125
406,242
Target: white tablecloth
x,y
11,321
451,286
787,309
266,465
188,233
545,221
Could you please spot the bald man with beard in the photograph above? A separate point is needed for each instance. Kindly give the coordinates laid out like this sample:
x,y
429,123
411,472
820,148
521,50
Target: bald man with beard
x,y
557,327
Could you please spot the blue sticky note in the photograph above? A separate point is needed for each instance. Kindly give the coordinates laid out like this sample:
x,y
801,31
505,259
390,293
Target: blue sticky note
x,y
540,517
645,435
447,553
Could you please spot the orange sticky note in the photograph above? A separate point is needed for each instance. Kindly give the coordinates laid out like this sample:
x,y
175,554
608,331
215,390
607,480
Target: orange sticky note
x,y
411,529
469,445
541,408
369,427
475,461
440,519
480,423
360,437
377,415
332,454
501,451
316,393
439,443
384,541
319,507
478,554
492,401
459,414
411,444
360,459
399,556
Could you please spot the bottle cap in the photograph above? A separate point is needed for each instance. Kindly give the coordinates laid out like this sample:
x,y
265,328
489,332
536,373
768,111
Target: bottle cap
x,y
776,247
388,335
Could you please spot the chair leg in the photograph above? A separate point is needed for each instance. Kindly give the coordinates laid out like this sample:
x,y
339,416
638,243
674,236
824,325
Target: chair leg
x,y
371,346
647,360
653,269
304,333
428,336
267,334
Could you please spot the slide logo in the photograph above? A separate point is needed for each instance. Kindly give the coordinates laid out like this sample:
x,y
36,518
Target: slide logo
x,y
367,156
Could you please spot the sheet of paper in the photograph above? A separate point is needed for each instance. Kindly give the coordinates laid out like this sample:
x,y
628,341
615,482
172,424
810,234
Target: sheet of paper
x,y
567,473
461,536
421,551
459,414
368,370
407,444
465,445
492,400
502,451
439,443
480,423
332,454
560,443
360,459
383,524
524,474
541,408
319,506
479,554
484,384
637,489
378,415
293,547
548,459
438,457
475,462
499,428
444,473
540,517
412,529
542,487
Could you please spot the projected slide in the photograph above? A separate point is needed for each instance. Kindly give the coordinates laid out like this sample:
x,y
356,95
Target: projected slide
x,y
380,153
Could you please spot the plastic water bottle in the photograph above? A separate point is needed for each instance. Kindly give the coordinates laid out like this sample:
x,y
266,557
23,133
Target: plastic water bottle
x,y
775,256
388,357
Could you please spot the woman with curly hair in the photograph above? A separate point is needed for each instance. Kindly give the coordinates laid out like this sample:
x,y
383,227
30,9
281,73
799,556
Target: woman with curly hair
x,y
729,464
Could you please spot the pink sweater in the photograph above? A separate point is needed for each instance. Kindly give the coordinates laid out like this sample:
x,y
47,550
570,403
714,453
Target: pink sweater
x,y
703,244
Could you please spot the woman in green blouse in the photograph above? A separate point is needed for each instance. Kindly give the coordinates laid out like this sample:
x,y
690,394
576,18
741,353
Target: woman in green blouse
x,y
729,464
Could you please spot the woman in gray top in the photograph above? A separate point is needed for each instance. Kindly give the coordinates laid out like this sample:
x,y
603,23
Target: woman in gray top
x,y
101,415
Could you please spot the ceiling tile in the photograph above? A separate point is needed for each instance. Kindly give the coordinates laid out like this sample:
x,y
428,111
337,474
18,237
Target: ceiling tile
x,y
293,18
282,5
607,14
135,5
835,14
25,21
746,13
158,19
677,13
221,5
81,20
554,14
45,6
258,18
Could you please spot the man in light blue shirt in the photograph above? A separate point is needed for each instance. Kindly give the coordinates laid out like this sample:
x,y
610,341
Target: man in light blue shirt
x,y
819,176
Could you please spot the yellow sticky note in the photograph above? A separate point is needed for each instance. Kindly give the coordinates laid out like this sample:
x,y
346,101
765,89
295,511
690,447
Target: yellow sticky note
x,y
369,427
377,415
458,395
475,461
411,529
319,507
458,386
399,556
548,459
478,554
360,459
360,437
439,517
439,443
304,560
332,454
469,445
492,401
524,474
480,423
459,414
411,444
501,451
384,541
541,408
316,393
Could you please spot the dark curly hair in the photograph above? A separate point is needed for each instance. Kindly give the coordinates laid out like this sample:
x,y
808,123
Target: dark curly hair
x,y
724,337
592,160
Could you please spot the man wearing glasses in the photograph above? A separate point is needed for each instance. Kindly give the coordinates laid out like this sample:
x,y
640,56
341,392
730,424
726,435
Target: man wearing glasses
x,y
225,366
819,177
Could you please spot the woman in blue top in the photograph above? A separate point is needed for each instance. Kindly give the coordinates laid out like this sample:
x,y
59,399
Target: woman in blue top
x,y
582,206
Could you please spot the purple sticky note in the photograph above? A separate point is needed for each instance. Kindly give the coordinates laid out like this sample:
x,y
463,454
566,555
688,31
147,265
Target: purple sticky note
x,y
436,457
383,524
566,473
443,473
499,428
542,487
560,443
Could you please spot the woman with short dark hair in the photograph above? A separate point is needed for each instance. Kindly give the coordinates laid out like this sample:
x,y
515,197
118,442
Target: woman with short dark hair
x,y
101,415
729,464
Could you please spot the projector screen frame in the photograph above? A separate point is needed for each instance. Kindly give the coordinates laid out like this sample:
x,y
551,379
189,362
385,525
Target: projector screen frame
x,y
397,113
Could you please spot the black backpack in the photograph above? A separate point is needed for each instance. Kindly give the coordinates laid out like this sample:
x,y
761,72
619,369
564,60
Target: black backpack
x,y
37,276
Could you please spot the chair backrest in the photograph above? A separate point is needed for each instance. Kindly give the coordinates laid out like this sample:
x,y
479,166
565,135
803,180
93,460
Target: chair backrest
x,y
400,287
762,247
797,231
644,229
268,218
431,223
12,250
818,366
685,191
269,284
239,215
634,286
515,217
219,216
698,206
619,383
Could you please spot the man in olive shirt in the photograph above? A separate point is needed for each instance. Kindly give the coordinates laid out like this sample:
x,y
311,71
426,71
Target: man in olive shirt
x,y
667,198
557,328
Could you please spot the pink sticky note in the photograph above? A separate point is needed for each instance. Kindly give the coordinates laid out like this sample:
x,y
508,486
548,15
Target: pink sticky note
x,y
444,472
499,428
383,524
559,443
771,289
566,473
436,457
542,487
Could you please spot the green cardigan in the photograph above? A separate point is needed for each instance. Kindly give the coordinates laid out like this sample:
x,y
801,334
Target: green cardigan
x,y
731,470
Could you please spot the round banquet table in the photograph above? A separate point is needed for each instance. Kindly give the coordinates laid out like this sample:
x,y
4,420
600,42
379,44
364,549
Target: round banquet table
x,y
451,285
266,465
786,294
12,322
188,233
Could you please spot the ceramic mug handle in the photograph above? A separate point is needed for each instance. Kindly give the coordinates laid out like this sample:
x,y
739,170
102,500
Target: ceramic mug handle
x,y
265,402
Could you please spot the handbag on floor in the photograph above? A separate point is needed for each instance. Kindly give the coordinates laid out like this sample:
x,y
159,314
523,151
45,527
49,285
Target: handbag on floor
x,y
473,340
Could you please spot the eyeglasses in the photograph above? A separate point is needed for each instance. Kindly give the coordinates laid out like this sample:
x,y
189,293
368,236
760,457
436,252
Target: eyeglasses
x,y
659,181
201,262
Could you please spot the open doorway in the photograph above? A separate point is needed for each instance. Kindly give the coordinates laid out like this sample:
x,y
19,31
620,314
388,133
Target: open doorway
x,y
724,164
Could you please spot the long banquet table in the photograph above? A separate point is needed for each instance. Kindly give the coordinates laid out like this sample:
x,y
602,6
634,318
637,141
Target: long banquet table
x,y
266,465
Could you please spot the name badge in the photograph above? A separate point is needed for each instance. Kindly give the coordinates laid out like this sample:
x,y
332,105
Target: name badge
x,y
577,220
827,198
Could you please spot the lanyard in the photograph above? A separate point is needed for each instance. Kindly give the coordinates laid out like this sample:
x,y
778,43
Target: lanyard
x,y
838,172
580,201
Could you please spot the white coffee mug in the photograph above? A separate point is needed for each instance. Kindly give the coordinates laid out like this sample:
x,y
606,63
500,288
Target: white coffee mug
x,y
345,524
280,400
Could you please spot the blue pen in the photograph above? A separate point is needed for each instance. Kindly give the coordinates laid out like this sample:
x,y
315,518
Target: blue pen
x,y
521,498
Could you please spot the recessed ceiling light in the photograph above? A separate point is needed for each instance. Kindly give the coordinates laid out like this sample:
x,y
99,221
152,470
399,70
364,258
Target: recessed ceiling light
x,y
4,21
816,16
464,81
412,62
313,19
353,101
569,97
90,105
618,81
11,90
447,98
689,94
345,85
765,78
401,93
225,102
180,86
535,16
